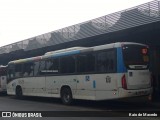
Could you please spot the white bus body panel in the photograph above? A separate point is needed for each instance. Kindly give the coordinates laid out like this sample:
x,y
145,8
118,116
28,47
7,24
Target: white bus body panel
x,y
94,87
138,79
88,85
54,83
33,86
82,86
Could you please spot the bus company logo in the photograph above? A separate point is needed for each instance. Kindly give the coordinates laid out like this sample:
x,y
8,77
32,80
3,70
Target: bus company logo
x,y
6,114
108,79
87,78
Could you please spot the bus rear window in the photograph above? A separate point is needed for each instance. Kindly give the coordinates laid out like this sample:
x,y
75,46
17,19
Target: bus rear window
x,y
135,55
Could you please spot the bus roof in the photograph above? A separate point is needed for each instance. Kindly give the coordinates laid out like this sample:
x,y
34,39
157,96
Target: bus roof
x,y
73,50
64,50
2,66
26,60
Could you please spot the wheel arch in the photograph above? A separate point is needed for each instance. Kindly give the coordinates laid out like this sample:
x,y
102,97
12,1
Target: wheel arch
x,y
66,95
18,86
65,86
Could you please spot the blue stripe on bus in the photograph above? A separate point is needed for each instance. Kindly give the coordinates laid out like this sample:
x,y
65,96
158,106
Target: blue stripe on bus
x,y
66,53
120,62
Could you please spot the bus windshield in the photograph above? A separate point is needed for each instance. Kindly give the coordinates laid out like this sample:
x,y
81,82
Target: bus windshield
x,y
135,55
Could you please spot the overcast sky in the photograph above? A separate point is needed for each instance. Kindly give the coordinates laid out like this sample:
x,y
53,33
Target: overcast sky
x,y
23,19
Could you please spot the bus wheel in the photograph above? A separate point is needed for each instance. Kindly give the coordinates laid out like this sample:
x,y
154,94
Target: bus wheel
x,y
19,92
66,95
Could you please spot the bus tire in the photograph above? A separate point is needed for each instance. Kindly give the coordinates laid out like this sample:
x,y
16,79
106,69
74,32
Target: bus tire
x,y
66,95
19,93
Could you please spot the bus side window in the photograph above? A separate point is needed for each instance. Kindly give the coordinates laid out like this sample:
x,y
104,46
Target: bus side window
x,y
18,70
81,66
86,63
52,66
11,73
106,61
67,64
49,65
55,66
112,61
42,68
28,69
36,68
102,62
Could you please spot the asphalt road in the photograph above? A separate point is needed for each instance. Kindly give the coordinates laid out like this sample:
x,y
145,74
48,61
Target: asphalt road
x,y
115,108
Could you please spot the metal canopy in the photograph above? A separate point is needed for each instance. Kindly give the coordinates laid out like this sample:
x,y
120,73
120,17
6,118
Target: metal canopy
x,y
137,24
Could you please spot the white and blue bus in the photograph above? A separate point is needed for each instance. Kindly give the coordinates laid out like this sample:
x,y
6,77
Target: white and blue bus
x,y
111,71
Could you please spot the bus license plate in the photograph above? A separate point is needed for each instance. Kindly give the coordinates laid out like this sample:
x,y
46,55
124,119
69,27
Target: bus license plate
x,y
141,93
